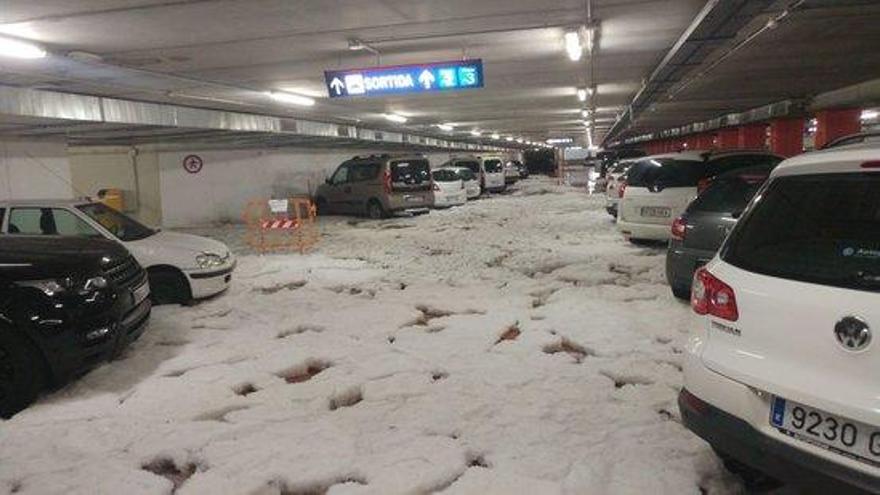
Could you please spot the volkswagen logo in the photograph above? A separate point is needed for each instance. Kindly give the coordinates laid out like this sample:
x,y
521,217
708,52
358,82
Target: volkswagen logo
x,y
852,333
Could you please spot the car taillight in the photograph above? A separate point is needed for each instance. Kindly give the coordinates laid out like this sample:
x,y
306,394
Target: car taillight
x,y
711,296
871,164
679,229
703,184
621,189
386,182
435,187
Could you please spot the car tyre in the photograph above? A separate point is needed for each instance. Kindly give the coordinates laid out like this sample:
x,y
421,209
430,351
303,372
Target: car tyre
x,y
168,286
375,210
23,373
321,206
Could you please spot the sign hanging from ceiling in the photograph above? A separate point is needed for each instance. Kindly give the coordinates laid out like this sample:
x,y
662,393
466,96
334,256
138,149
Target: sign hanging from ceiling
x,y
405,79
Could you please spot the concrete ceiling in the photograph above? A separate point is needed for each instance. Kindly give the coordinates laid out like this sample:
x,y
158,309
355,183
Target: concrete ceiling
x,y
279,44
222,54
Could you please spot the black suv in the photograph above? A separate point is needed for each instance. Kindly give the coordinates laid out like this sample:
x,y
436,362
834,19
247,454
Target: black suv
x,y
66,304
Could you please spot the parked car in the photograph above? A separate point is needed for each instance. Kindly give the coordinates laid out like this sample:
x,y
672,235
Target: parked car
x,y
781,375
494,178
449,189
471,183
66,305
490,171
378,186
523,170
181,267
699,231
614,178
511,172
659,188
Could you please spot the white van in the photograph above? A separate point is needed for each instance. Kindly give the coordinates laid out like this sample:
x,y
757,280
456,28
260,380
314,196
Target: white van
x,y
781,373
490,170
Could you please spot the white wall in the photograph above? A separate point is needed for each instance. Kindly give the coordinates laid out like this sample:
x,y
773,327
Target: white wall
x,y
231,178
34,169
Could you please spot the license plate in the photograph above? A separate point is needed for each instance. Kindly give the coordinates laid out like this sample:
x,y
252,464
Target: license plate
x,y
141,293
656,211
847,437
413,199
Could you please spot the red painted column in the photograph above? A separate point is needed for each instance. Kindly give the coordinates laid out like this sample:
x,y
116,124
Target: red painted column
x,y
728,138
787,136
833,124
705,142
753,136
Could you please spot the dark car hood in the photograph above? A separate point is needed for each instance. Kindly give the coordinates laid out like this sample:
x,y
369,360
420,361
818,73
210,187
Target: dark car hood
x,y
32,257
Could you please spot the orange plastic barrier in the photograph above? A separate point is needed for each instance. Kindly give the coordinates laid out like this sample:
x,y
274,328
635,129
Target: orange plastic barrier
x,y
281,224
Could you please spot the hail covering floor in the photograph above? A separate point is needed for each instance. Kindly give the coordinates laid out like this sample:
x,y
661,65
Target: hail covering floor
x,y
513,345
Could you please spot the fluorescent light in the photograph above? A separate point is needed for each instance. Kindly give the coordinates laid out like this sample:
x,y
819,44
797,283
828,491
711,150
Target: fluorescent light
x,y
283,97
870,114
520,140
445,127
393,117
582,94
475,133
573,45
585,113
356,45
508,138
11,47
496,136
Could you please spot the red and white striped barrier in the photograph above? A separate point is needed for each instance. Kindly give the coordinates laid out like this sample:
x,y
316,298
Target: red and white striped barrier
x,y
279,224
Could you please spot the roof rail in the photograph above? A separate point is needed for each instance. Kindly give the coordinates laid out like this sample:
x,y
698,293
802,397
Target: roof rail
x,y
860,137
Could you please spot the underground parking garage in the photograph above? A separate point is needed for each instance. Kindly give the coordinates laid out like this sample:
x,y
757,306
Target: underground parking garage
x,y
408,246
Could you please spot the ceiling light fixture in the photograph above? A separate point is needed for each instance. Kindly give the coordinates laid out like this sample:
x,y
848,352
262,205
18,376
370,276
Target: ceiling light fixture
x,y
393,117
475,133
573,45
496,136
445,127
284,97
12,47
508,138
582,94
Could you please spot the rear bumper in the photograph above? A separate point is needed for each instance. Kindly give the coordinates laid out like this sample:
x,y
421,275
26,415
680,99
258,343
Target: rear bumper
x,y
647,231
737,439
682,262
450,200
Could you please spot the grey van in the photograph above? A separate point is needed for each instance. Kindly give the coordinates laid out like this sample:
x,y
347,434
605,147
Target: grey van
x,y
378,186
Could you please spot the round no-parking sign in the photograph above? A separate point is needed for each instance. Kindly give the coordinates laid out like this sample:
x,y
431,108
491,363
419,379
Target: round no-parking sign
x,y
193,164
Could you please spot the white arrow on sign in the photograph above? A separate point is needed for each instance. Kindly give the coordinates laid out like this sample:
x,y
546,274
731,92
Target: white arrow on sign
x,y
427,79
337,85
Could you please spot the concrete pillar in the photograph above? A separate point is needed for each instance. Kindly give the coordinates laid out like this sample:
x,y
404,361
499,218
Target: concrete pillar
x,y
752,136
787,136
728,138
833,124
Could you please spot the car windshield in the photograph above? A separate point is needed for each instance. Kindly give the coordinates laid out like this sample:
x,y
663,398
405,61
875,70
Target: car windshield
x,y
665,172
728,195
445,175
465,174
493,166
822,228
410,171
122,226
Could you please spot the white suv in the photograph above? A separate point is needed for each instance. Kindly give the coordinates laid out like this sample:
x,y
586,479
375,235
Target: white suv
x,y
659,188
781,378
